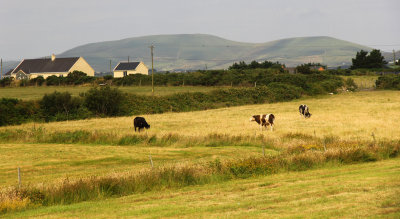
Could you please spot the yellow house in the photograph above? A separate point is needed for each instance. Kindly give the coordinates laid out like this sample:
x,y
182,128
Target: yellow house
x,y
129,68
32,68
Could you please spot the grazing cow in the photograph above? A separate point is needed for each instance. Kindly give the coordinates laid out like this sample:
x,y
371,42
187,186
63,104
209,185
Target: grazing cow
x,y
140,123
264,120
304,111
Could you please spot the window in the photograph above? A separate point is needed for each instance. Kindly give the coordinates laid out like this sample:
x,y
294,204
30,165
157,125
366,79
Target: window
x,y
125,73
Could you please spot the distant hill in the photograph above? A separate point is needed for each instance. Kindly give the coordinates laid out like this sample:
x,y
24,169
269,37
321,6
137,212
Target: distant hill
x,y
200,51
389,56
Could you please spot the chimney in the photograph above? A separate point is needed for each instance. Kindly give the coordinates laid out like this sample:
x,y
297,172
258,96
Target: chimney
x,y
53,57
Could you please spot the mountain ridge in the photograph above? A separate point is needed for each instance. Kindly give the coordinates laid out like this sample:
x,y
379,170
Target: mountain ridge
x,y
201,51
180,52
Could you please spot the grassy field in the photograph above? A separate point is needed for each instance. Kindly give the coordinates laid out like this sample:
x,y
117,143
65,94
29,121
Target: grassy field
x,y
354,191
345,116
224,134
364,82
30,93
47,163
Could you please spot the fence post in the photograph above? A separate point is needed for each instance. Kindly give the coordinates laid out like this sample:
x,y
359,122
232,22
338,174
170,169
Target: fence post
x,y
151,161
19,177
263,150
373,137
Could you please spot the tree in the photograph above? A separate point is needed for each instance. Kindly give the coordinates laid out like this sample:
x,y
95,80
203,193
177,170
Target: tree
x,y
372,60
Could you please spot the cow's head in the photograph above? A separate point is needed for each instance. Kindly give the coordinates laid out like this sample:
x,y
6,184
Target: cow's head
x,y
255,118
307,115
147,126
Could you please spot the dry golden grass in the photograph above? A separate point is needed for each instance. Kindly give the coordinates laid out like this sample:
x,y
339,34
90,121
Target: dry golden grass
x,y
348,116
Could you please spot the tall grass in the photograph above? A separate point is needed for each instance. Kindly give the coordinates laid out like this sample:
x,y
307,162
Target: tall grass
x,y
95,137
176,176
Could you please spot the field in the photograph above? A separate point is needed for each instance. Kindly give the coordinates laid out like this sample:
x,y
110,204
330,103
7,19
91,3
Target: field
x,y
364,82
354,191
195,138
30,93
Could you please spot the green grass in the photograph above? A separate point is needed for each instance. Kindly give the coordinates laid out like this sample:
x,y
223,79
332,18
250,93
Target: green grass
x,y
47,163
31,93
366,82
353,191
184,140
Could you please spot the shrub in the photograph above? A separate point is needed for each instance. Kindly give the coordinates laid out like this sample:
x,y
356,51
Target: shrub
x,y
6,82
78,77
14,111
105,101
37,81
389,81
350,84
61,106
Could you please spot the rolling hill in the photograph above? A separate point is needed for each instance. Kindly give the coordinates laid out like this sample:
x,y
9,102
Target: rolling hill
x,y
200,51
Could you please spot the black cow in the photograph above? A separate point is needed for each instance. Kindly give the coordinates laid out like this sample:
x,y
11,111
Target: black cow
x,y
140,123
264,120
304,111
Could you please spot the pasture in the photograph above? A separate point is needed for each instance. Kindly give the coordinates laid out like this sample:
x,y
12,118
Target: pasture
x,y
353,191
192,138
365,82
345,116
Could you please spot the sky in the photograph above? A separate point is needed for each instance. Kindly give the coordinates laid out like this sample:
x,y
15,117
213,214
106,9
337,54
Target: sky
x,y
31,29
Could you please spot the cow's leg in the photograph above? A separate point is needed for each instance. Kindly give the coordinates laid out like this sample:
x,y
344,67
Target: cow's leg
x,y
272,128
135,128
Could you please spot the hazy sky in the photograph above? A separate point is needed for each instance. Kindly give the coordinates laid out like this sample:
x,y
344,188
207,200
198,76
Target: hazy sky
x,y
34,28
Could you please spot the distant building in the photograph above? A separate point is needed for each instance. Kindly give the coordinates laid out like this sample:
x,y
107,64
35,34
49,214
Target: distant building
x,y
32,68
291,70
128,68
317,68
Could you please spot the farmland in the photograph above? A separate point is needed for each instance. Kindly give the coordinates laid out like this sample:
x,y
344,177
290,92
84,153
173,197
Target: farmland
x,y
362,190
110,148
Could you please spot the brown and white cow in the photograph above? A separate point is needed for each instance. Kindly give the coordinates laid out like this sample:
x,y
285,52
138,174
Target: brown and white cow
x,y
264,120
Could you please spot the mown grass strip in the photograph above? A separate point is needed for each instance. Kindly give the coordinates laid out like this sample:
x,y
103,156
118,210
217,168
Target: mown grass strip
x,y
185,175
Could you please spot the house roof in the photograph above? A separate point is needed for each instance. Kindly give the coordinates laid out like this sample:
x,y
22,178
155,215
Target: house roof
x,y
46,65
9,72
127,65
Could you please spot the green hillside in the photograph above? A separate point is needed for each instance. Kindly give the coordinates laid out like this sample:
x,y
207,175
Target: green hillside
x,y
200,51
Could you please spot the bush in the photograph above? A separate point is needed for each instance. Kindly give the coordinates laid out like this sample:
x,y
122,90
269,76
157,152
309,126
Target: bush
x,y
37,81
61,106
350,84
5,82
14,111
105,101
78,77
389,81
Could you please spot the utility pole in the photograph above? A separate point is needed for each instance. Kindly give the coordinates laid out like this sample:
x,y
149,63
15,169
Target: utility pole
x,y
128,59
394,57
152,70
